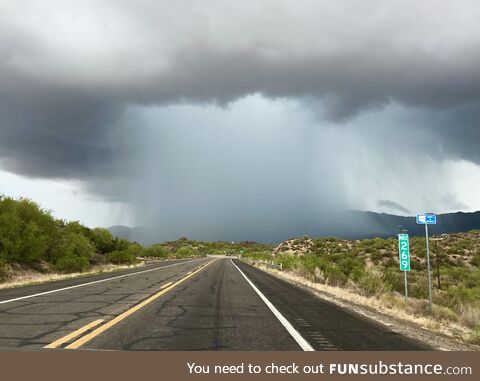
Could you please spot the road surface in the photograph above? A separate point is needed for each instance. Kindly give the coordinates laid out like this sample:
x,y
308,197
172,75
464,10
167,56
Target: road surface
x,y
201,304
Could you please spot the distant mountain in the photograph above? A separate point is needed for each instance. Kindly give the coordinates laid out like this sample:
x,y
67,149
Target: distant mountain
x,y
136,234
347,225
371,224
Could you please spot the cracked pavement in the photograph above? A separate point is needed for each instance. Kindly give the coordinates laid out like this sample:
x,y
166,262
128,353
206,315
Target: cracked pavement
x,y
35,322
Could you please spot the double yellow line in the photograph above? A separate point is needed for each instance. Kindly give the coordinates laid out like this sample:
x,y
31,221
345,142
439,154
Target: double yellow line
x,y
78,343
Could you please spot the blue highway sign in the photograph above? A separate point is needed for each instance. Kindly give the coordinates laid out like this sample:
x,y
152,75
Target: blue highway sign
x,y
426,219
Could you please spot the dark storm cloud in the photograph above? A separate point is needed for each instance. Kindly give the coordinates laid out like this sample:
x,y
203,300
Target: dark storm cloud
x,y
55,133
67,70
393,206
69,74
459,131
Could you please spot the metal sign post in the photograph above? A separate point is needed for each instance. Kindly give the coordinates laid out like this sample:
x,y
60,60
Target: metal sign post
x,y
404,258
428,219
428,268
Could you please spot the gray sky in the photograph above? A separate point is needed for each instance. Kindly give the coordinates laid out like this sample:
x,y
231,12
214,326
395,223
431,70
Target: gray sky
x,y
237,120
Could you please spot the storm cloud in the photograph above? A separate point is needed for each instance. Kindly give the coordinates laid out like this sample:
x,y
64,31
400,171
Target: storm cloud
x,y
393,206
93,91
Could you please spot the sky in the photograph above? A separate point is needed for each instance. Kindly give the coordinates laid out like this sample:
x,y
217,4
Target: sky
x,y
239,120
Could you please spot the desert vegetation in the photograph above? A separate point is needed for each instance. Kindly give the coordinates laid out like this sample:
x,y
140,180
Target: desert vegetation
x,y
31,238
370,268
184,247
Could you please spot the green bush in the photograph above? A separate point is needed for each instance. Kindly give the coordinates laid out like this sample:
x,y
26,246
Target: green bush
x,y
124,257
288,261
103,240
71,263
185,252
346,264
258,255
418,288
444,313
30,236
357,272
121,244
154,251
458,295
26,231
373,284
73,253
77,227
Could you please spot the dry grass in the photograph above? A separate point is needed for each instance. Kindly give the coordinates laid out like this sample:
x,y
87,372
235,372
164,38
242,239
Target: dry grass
x,y
470,315
442,320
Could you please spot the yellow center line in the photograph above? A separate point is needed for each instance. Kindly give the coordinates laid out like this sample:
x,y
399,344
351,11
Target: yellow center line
x,y
119,318
74,334
165,285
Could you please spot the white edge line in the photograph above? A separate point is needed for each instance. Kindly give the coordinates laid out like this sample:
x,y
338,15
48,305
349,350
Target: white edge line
x,y
288,326
92,282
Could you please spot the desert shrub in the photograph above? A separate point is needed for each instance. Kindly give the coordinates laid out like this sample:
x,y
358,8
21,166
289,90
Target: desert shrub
x,y
121,257
288,261
357,272
76,227
469,314
417,287
335,276
373,284
72,263
30,236
135,248
417,265
395,279
444,313
73,253
185,252
121,244
311,261
377,256
75,244
97,259
259,256
102,240
471,279
475,336
394,300
347,264
25,231
460,294
3,271
475,261
154,251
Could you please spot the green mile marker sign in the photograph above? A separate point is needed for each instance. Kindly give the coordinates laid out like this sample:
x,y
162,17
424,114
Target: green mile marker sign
x,y
404,252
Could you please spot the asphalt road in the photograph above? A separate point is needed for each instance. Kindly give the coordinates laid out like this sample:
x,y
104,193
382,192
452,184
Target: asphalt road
x,y
203,304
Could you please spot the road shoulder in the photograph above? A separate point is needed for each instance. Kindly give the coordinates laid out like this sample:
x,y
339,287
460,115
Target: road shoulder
x,y
404,327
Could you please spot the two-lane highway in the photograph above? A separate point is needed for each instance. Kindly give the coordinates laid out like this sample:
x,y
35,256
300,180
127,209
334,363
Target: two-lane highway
x,y
203,304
